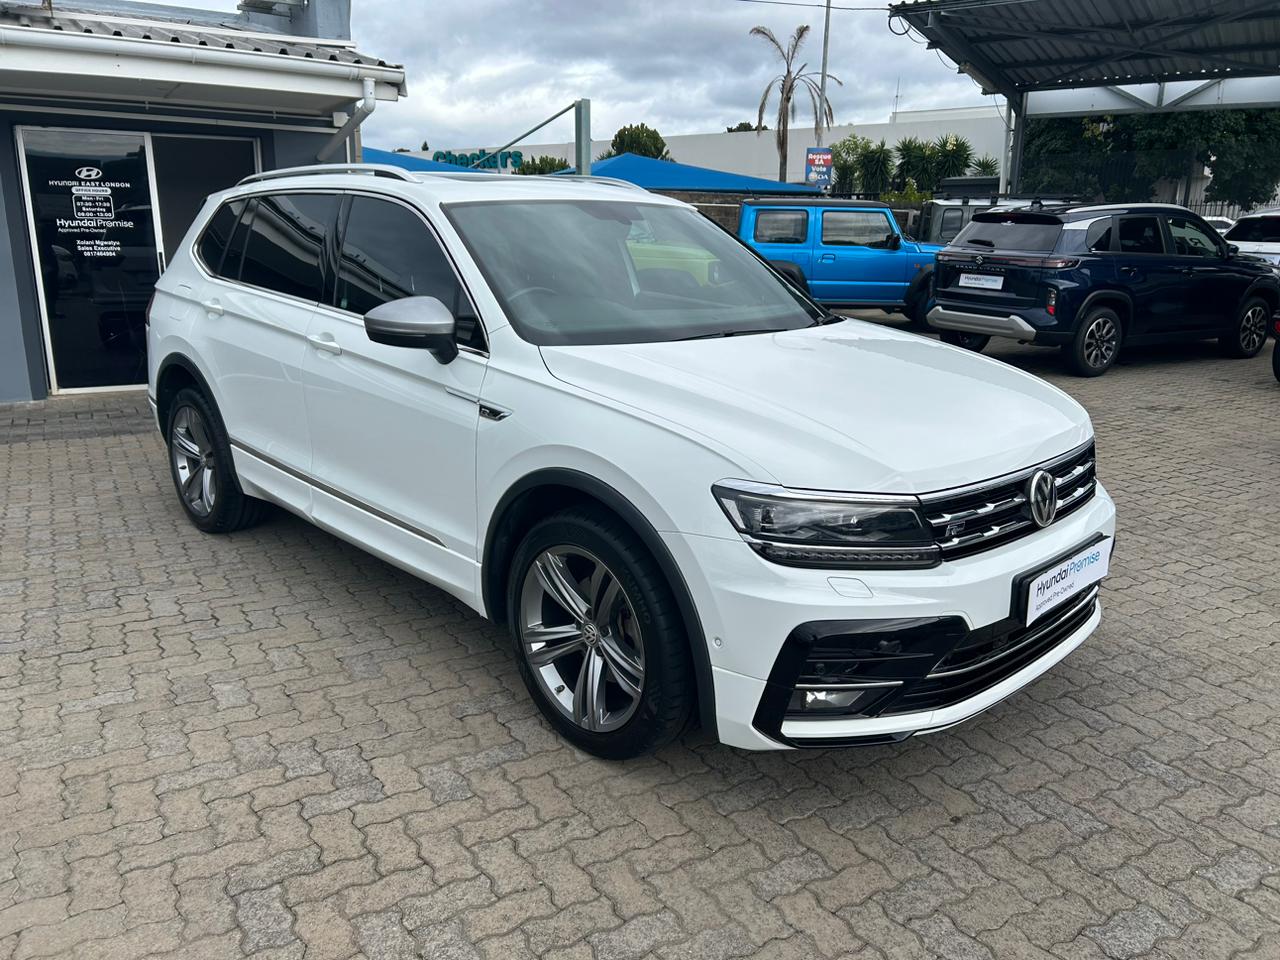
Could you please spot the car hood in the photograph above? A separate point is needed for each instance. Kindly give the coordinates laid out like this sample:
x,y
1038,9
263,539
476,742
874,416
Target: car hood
x,y
847,406
1270,252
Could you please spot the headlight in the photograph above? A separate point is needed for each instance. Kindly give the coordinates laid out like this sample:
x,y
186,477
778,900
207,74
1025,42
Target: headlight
x,y
821,530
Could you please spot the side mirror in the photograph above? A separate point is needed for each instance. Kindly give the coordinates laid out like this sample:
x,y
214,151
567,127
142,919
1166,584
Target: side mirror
x,y
1232,249
423,323
893,241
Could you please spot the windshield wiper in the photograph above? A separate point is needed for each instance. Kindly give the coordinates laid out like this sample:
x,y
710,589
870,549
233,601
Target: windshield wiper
x,y
979,242
733,333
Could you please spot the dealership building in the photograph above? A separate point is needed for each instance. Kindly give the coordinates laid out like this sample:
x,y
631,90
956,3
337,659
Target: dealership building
x,y
756,155
117,119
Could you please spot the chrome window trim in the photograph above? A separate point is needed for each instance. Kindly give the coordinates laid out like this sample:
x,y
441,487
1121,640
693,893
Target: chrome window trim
x,y
246,195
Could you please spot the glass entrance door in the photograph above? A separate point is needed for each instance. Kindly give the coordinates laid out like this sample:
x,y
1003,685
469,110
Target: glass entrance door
x,y
105,208
95,241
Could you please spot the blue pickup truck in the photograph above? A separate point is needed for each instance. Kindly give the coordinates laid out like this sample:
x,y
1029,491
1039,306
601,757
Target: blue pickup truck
x,y
844,253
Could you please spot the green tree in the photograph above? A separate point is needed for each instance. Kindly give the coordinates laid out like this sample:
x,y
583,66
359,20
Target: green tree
x,y
792,80
875,168
985,166
952,156
637,138
745,126
917,160
844,162
536,166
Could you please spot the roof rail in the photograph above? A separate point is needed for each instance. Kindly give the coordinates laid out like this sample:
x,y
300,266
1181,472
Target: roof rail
x,y
553,177
319,169
592,178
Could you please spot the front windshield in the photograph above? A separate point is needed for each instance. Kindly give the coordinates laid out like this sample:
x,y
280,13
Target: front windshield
x,y
611,271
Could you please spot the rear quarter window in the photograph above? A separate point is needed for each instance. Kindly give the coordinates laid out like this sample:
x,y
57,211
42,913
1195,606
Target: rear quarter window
x,y
1010,233
213,242
782,226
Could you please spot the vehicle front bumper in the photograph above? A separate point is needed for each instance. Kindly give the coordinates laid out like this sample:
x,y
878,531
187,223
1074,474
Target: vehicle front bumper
x,y
749,607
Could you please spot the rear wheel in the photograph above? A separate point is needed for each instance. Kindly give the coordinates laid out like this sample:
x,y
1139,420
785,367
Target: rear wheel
x,y
977,342
1248,334
599,641
1275,360
203,472
1096,343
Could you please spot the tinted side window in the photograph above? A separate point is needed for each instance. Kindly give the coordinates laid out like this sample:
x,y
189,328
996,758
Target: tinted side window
x,y
388,253
1190,239
952,221
782,226
1098,239
855,228
1140,235
213,243
286,243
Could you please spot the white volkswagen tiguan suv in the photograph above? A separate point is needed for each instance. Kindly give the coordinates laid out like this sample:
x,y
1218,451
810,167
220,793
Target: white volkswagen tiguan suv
x,y
599,419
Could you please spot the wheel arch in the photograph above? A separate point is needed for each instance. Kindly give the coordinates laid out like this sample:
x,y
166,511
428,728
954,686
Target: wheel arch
x,y
1118,300
543,491
176,371
1265,292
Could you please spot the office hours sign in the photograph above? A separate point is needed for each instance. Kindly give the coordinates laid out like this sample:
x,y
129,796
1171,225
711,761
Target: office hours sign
x,y
89,219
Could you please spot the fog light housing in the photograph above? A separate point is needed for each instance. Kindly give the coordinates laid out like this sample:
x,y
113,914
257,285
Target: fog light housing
x,y
833,701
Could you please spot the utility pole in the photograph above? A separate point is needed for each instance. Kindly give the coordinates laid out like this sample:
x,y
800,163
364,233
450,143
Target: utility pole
x,y
822,85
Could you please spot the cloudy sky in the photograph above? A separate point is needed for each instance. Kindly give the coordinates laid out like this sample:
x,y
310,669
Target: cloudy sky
x,y
483,71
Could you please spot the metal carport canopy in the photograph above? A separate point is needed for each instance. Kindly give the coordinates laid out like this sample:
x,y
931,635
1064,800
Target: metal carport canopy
x,y
1065,57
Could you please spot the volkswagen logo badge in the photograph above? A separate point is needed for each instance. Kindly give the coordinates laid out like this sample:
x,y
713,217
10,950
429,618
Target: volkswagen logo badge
x,y
89,173
1042,497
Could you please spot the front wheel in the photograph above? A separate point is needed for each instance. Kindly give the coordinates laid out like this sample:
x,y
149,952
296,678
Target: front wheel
x,y
1248,334
1275,360
1096,343
599,641
977,342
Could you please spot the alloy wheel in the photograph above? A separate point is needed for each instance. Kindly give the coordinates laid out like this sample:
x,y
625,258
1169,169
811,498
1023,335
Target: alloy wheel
x,y
1253,330
1100,342
193,461
581,639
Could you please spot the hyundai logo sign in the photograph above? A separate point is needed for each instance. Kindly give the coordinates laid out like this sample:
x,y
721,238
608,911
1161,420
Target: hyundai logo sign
x,y
89,173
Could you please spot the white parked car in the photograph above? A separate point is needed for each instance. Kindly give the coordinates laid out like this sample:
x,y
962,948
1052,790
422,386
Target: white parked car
x,y
600,420
1257,234
1221,224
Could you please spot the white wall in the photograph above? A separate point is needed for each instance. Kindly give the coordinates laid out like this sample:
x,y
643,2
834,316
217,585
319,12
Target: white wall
x,y
757,155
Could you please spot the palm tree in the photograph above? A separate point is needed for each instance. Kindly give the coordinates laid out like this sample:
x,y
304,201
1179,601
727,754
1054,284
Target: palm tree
x,y
787,83
985,166
954,154
875,168
916,161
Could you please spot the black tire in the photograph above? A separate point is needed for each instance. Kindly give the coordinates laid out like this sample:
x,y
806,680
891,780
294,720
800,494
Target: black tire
x,y
917,311
228,508
1248,333
1275,360
648,614
977,342
794,275
1096,344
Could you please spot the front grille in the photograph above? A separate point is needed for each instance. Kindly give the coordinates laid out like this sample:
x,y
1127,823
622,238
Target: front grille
x,y
993,654
986,515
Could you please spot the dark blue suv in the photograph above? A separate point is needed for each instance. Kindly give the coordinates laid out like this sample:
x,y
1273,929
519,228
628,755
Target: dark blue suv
x,y
1094,279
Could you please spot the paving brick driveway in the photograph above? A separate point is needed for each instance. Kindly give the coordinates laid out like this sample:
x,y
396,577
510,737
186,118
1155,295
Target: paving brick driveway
x,y
272,744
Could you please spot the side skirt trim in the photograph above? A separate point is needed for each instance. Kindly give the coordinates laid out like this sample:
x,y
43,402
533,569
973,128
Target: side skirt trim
x,y
338,494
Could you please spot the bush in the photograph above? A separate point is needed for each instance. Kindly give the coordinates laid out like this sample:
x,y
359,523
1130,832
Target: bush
x,y
642,140
535,166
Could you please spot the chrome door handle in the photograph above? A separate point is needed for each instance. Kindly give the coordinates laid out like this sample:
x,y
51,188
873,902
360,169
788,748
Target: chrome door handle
x,y
325,342
213,307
